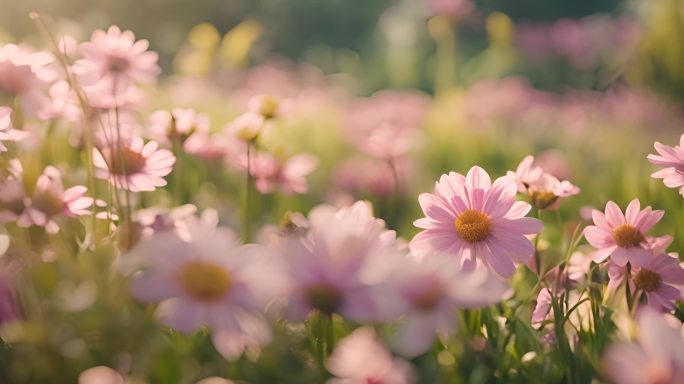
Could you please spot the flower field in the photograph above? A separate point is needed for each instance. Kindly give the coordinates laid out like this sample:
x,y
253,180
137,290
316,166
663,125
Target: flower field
x,y
463,194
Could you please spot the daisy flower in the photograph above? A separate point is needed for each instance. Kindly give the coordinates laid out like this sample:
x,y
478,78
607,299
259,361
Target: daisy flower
x,y
100,375
7,133
661,279
388,142
361,358
63,103
50,200
25,75
476,221
339,266
289,176
431,289
657,356
246,127
542,308
177,125
672,161
112,60
135,165
545,190
268,106
210,147
622,237
210,281
385,125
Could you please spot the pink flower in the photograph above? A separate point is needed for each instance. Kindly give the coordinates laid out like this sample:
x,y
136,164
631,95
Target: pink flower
x,y
387,142
210,147
25,75
288,176
338,267
617,273
159,219
661,279
135,166
622,236
113,62
6,131
545,190
543,307
13,199
579,318
361,176
50,200
100,375
452,8
657,357
578,267
430,291
476,221
268,106
210,280
246,127
63,103
361,359
114,127
672,161
177,125
386,124
526,173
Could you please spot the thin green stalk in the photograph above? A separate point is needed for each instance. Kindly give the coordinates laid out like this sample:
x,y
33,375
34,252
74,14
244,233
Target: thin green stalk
x,y
628,294
248,193
87,131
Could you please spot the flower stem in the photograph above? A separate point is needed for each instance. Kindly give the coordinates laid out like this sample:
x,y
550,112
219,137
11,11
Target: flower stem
x,y
628,293
248,193
88,132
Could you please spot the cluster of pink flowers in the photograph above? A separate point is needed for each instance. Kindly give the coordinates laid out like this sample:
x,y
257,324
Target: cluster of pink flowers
x,y
341,262
584,43
25,76
271,170
7,132
672,161
44,202
635,258
345,261
386,129
657,356
112,65
545,190
513,103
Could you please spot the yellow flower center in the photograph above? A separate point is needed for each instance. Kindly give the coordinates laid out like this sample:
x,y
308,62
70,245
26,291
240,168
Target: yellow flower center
x,y
648,280
269,106
124,161
543,199
429,298
48,202
473,226
204,281
324,297
627,236
118,64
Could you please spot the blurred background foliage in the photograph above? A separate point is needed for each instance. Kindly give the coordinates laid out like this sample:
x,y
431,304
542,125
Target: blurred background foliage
x,y
385,43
